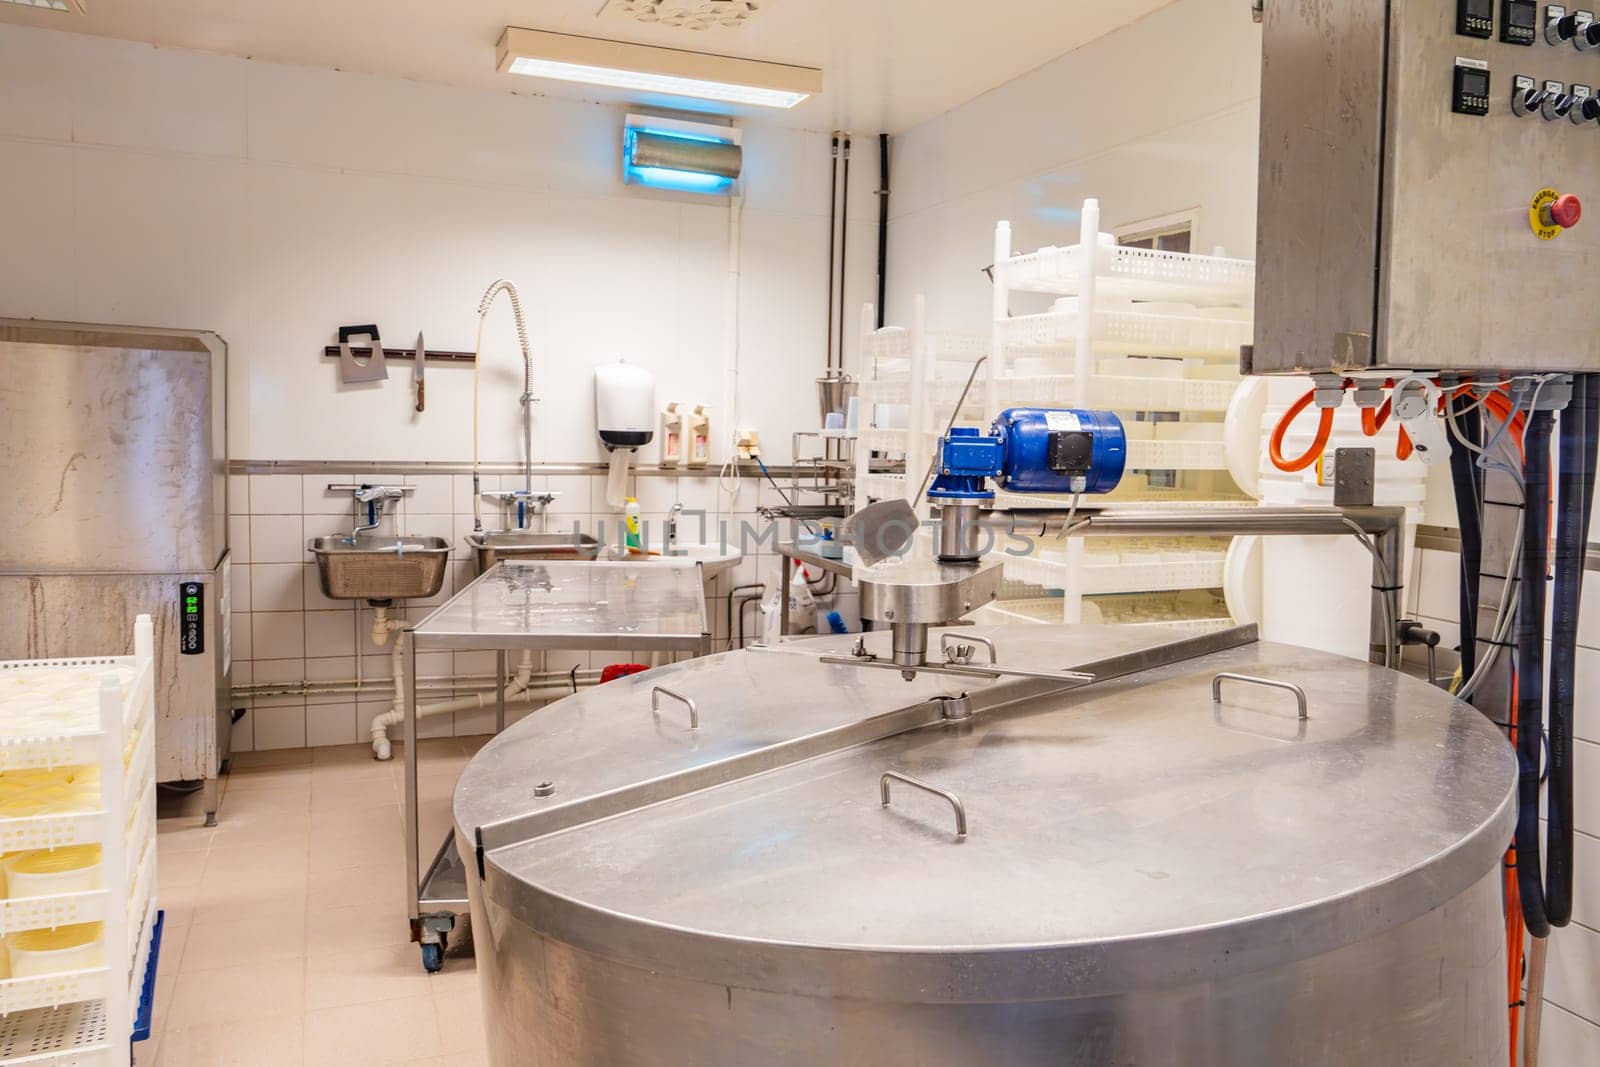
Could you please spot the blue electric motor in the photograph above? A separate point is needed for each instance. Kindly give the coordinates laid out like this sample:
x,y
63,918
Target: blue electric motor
x,y
1034,450
1045,451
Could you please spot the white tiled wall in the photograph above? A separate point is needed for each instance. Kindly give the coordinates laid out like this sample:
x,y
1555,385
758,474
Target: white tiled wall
x,y
1572,983
285,630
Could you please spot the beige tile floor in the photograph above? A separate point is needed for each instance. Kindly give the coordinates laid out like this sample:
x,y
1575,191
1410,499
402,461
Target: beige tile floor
x,y
286,940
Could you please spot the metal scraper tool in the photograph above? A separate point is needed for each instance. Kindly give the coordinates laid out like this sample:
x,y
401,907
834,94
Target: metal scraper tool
x,y
882,530
350,371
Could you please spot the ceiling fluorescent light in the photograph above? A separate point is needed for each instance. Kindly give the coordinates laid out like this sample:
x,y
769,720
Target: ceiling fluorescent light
x,y
594,61
71,7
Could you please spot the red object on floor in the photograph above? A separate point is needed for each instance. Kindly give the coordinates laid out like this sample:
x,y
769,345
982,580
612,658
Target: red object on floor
x,y
620,670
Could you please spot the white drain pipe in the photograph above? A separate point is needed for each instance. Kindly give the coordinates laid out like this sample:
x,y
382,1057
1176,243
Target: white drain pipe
x,y
519,688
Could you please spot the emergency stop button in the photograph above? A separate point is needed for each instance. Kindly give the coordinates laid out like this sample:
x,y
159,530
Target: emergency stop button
x,y
1552,212
1564,211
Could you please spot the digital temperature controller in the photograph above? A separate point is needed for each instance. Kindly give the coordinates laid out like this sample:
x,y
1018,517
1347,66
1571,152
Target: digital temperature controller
x,y
191,619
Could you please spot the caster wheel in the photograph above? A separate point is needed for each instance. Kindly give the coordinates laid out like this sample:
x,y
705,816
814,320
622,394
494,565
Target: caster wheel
x,y
433,957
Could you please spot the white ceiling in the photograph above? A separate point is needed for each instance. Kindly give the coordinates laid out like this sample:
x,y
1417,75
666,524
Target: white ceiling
x,y
888,64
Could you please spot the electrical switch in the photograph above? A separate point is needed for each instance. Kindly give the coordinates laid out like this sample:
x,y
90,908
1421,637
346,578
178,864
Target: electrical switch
x,y
1589,39
1557,102
1584,108
1526,96
1560,25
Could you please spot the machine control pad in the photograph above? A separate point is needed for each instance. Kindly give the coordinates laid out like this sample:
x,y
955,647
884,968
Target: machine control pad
x,y
1519,21
1475,18
191,619
1471,91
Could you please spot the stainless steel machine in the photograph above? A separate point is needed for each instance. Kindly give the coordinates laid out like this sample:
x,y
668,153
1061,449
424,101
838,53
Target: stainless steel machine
x,y
1424,166
1208,851
115,453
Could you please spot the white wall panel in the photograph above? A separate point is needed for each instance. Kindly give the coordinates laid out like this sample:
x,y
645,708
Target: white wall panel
x,y
274,203
157,99
36,207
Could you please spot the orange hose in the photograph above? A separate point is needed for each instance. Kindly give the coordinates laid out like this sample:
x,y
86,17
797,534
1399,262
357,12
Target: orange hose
x,y
1515,929
1374,419
1318,443
1403,447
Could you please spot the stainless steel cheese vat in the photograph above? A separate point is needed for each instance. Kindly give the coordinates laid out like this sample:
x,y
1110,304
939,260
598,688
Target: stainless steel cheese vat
x,y
1149,875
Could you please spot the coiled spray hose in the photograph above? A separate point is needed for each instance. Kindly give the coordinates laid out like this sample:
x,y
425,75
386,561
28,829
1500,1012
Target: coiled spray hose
x,y
503,285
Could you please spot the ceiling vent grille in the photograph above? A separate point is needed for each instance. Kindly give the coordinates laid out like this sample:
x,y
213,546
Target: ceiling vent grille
x,y
687,14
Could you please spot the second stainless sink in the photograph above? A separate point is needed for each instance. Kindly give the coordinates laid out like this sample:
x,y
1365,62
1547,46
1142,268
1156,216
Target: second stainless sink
x,y
381,568
490,547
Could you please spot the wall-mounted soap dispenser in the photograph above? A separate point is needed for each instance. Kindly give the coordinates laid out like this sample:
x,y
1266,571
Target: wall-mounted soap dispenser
x,y
698,434
624,408
671,435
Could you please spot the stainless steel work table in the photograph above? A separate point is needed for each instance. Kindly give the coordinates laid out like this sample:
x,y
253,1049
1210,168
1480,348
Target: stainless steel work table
x,y
656,606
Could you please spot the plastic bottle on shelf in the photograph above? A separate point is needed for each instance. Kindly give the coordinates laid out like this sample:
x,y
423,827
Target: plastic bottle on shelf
x,y
671,435
699,437
632,539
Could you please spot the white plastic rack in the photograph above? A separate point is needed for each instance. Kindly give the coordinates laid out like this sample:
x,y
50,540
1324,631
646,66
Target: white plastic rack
x,y
83,713
1155,336
1150,334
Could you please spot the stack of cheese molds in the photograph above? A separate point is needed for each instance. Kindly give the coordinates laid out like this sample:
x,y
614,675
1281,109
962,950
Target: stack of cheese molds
x,y
78,920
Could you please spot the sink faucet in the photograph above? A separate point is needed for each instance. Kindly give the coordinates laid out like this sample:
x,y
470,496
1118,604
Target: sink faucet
x,y
374,497
671,545
530,506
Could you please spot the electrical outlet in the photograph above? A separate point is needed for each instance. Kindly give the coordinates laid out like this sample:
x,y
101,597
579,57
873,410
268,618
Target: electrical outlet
x,y
747,443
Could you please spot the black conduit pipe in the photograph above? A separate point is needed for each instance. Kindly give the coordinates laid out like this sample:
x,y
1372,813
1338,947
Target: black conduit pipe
x,y
1464,479
883,226
833,227
1574,495
844,248
1530,669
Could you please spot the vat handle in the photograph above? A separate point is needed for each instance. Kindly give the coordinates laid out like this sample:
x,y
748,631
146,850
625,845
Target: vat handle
x,y
662,691
955,801
1270,683
962,651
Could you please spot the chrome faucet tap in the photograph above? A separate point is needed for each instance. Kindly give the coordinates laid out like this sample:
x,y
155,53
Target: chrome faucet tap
x,y
672,529
529,506
374,497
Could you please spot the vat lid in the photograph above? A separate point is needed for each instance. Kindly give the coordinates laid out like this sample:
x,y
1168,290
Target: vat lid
x,y
1130,834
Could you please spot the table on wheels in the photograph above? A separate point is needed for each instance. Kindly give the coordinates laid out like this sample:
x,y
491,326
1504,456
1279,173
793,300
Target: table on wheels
x,y
654,605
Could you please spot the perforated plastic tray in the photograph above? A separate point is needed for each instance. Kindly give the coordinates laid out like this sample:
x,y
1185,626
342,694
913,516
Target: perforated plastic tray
x,y
76,741
1136,273
1135,332
1122,574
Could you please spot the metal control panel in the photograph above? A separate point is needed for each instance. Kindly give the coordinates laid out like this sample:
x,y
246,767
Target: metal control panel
x,y
1425,165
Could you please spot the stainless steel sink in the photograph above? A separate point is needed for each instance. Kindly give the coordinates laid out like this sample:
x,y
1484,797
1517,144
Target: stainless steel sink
x,y
490,547
381,568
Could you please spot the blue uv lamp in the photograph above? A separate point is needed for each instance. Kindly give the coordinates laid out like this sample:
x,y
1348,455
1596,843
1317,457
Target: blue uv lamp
x,y
1033,450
